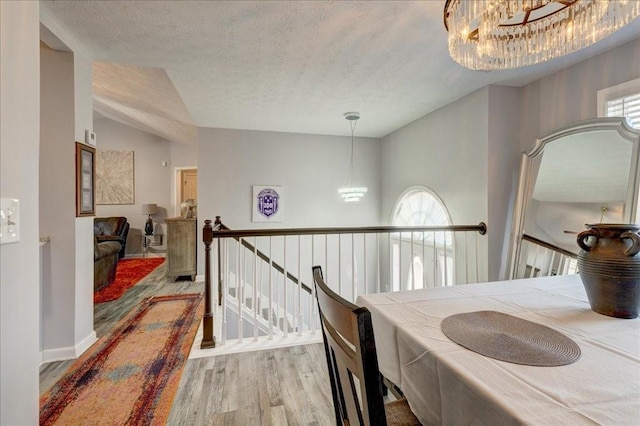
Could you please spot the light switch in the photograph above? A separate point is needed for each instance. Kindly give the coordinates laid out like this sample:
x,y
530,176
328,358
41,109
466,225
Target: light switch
x,y
9,220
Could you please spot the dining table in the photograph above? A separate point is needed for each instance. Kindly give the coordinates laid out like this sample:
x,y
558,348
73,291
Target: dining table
x,y
447,384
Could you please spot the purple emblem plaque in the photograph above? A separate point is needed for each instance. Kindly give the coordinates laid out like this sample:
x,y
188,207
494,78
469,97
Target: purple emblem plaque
x,y
268,202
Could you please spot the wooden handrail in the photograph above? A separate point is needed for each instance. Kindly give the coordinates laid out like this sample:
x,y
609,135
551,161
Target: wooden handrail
x,y
225,232
238,235
549,246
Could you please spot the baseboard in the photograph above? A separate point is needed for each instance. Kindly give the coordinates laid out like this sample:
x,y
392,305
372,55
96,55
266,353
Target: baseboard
x,y
156,253
199,278
68,352
58,354
86,343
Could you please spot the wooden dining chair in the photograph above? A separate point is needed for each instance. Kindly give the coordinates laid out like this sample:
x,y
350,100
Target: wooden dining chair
x,y
351,352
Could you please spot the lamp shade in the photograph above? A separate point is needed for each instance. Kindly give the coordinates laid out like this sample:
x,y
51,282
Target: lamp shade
x,y
149,209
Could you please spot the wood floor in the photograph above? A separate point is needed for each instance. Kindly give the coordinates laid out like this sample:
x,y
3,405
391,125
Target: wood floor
x,y
287,386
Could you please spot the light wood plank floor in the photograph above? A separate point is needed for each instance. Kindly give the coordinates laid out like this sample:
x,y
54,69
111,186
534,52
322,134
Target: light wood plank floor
x,y
287,386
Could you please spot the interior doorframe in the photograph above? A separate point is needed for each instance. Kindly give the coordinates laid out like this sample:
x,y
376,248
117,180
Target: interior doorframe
x,y
175,195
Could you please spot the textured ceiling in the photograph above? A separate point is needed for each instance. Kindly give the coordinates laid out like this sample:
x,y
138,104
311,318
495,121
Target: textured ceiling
x,y
116,95
278,65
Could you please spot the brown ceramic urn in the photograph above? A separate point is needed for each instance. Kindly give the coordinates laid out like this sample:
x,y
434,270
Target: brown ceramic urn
x,y
609,265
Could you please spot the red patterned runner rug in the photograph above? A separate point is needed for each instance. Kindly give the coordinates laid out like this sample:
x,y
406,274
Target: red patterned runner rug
x,y
131,376
128,273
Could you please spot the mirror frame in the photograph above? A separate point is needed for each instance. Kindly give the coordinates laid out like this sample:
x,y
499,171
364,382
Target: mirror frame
x,y
525,180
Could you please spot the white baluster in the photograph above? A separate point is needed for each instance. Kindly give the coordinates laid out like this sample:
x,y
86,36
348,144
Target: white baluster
x,y
239,289
270,298
255,289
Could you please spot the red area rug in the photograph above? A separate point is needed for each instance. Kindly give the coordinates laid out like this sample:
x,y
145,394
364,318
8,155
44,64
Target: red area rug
x,y
128,273
131,376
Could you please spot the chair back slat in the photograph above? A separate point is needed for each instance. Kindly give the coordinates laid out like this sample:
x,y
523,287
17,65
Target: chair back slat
x,y
351,352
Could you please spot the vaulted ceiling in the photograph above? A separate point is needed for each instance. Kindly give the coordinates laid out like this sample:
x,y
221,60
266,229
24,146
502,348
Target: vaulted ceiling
x,y
289,66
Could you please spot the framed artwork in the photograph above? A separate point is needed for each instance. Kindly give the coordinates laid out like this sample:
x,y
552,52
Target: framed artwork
x,y
85,180
114,177
268,203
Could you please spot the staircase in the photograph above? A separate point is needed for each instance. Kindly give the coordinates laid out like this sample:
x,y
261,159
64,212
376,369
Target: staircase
x,y
282,323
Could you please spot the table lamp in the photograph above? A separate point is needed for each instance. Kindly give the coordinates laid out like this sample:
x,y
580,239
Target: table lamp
x,y
149,209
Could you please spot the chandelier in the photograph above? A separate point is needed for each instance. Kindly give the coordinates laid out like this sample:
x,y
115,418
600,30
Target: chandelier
x,y
351,193
503,34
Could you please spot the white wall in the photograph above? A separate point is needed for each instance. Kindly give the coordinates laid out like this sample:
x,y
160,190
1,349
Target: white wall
x,y
57,196
446,151
571,94
19,144
71,265
152,180
468,151
311,168
84,335
502,174
182,157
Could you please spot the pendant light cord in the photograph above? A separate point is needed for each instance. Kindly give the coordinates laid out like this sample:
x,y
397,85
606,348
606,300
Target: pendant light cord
x,y
353,124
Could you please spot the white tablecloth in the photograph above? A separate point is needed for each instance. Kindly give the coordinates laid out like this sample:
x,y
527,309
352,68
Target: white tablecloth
x,y
448,384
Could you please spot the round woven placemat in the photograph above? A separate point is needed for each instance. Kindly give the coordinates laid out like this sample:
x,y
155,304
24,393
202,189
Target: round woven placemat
x,y
512,339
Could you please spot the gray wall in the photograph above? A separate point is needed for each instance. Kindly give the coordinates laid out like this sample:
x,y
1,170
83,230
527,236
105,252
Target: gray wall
x,y
19,140
152,180
502,173
571,94
67,296
446,151
311,168
469,151
57,197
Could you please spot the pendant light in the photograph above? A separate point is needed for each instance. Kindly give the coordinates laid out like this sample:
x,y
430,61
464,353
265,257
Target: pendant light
x,y
352,193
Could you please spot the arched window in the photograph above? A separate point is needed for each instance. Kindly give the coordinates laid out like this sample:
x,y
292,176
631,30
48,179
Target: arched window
x,y
420,206
428,262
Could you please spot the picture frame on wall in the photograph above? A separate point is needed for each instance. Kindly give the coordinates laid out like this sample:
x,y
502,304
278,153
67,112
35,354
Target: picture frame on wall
x,y
85,180
268,203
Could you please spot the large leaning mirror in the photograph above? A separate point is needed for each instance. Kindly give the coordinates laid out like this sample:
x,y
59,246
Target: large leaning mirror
x,y
583,173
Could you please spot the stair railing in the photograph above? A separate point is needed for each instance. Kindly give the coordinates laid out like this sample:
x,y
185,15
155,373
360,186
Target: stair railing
x,y
540,258
370,259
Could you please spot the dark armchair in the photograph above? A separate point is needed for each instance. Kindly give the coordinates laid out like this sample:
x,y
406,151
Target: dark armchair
x,y
112,229
105,262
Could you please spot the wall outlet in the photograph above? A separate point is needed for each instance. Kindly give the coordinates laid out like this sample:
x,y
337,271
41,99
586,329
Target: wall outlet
x,y
89,137
9,220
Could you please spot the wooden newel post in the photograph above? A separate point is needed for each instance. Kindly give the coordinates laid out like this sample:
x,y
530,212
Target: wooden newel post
x,y
218,224
208,340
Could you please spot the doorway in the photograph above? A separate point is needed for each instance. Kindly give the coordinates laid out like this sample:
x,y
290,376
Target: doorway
x,y
186,186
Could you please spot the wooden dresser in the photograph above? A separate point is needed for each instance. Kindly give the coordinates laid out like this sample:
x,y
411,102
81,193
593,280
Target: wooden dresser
x,y
181,248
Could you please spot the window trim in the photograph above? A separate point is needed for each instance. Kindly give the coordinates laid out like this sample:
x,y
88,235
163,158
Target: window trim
x,y
417,188
621,90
